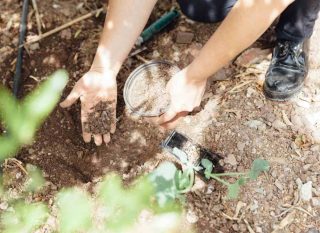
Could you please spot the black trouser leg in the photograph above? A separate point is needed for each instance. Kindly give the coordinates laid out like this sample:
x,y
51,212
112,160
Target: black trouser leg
x,y
297,21
206,11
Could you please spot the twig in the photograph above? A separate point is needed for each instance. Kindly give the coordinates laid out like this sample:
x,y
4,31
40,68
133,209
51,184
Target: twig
x,y
142,59
18,164
137,51
64,26
248,226
240,85
38,19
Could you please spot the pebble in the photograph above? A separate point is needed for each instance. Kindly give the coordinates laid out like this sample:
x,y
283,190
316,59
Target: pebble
x,y
80,154
34,46
255,124
192,217
279,125
241,146
4,205
306,191
231,159
303,104
235,227
184,37
315,202
66,34
313,230
278,184
254,206
252,56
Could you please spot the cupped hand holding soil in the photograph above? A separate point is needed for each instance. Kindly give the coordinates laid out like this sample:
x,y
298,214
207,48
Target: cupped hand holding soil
x,y
98,95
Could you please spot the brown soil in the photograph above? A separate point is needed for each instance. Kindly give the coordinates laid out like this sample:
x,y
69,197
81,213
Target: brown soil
x,y
147,93
100,119
224,127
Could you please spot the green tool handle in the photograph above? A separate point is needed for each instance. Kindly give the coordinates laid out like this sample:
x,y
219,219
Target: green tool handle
x,y
157,26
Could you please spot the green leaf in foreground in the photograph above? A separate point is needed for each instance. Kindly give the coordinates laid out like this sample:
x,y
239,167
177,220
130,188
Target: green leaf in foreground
x,y
39,104
163,179
36,180
26,217
75,210
258,166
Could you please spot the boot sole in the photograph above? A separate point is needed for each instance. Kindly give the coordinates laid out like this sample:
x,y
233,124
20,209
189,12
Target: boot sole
x,y
281,97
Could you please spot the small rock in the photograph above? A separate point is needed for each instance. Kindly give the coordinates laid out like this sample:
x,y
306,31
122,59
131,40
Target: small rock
x,y
184,37
315,148
235,227
231,159
303,104
313,230
30,151
250,92
241,146
80,154
315,202
225,73
279,125
192,217
278,184
255,124
4,205
252,56
254,206
306,191
18,175
66,34
34,46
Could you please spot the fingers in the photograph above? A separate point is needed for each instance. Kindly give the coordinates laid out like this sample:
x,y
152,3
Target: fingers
x,y
174,122
71,98
106,138
97,139
167,116
86,137
84,117
113,125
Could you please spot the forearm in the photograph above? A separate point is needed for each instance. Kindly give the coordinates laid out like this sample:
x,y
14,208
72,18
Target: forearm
x,y
124,22
245,23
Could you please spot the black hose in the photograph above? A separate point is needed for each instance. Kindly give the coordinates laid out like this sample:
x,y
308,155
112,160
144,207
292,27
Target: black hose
x,y
22,35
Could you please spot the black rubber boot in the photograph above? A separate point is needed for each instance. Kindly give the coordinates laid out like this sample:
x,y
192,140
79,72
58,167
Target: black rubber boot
x,y
287,71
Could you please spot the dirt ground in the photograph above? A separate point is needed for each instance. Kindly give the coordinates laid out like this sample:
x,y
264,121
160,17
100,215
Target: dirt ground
x,y
234,120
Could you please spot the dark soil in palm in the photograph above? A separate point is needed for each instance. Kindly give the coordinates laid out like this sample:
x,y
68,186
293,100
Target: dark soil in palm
x,y
147,93
101,119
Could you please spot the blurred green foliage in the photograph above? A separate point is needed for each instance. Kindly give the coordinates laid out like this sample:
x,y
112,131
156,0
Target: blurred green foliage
x,y
22,119
117,208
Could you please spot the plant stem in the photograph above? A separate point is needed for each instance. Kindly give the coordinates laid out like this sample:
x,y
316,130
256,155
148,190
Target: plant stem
x,y
230,174
191,175
220,180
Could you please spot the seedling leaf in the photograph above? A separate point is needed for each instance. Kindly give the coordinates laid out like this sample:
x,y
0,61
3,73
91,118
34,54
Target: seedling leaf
x,y
258,166
242,181
163,179
233,190
36,180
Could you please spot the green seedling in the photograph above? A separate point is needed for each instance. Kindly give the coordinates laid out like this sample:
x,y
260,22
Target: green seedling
x,y
258,166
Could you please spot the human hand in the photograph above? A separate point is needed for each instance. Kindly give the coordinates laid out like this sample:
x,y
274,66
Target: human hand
x,y
186,94
94,88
